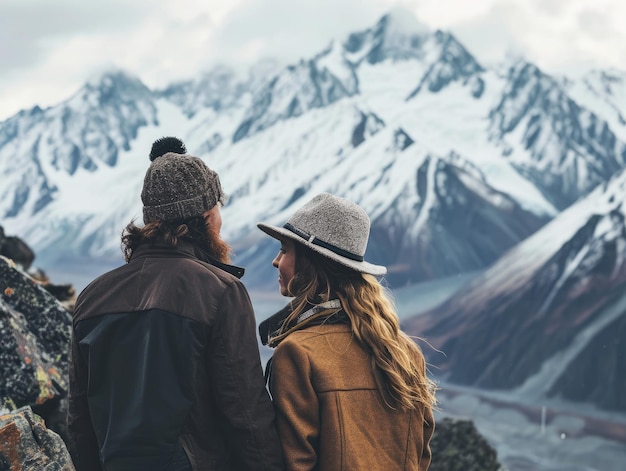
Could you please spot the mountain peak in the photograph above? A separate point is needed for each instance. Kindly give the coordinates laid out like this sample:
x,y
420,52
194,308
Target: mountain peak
x,y
402,21
610,76
397,35
110,85
512,60
110,77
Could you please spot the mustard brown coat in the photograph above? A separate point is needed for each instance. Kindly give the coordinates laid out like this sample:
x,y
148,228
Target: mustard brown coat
x,y
329,410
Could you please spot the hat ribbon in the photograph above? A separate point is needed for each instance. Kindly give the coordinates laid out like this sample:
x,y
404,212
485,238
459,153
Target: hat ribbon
x,y
314,240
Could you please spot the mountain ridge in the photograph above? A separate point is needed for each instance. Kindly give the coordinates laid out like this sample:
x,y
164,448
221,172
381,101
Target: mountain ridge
x,y
357,119
561,291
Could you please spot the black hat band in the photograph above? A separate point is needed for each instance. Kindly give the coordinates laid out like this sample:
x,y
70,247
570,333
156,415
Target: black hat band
x,y
314,240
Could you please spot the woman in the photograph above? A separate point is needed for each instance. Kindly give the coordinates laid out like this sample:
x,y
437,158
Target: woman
x,y
350,389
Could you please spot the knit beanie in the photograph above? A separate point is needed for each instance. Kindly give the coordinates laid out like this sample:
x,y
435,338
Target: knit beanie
x,y
177,187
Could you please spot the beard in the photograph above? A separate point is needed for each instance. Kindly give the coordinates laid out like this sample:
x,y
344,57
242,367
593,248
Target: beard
x,y
216,246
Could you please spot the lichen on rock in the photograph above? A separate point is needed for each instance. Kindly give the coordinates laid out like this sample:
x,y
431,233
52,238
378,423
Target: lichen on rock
x,y
27,445
35,333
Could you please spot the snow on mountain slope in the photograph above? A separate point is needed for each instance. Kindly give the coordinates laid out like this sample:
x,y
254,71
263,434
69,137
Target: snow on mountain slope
x,y
565,149
84,221
397,36
604,93
38,147
298,88
561,291
355,154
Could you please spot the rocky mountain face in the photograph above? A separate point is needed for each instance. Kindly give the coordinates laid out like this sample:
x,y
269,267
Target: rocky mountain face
x,y
88,131
548,319
448,219
604,93
572,149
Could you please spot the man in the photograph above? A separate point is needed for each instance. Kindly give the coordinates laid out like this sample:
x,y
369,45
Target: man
x,y
165,370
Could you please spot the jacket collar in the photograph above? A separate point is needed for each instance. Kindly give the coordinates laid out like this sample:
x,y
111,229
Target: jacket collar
x,y
185,248
271,326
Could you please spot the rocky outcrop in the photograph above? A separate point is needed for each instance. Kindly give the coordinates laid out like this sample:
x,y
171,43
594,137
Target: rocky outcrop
x,y
27,445
65,293
16,249
457,446
35,332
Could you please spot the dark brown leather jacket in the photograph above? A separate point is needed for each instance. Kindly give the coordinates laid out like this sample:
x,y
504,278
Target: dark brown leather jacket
x,y
164,356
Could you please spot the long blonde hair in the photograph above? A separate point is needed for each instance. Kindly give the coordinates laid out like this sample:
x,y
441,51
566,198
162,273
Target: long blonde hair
x,y
397,362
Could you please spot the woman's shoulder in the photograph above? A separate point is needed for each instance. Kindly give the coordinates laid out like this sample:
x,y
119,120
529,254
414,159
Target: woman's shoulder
x,y
322,351
314,333
316,339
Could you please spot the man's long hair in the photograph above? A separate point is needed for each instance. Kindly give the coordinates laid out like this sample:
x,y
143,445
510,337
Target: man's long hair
x,y
194,229
397,362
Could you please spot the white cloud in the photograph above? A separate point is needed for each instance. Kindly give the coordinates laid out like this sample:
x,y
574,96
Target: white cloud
x,y
558,35
291,29
48,50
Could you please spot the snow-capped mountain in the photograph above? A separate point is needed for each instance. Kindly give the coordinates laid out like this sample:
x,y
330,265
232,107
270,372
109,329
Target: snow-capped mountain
x,y
604,93
571,149
549,318
42,150
455,163
218,88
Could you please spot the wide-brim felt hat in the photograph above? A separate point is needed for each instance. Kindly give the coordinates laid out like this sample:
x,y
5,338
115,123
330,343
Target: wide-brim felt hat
x,y
332,226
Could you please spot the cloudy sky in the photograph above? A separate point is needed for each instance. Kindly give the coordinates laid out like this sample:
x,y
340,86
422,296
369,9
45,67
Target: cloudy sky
x,y
49,49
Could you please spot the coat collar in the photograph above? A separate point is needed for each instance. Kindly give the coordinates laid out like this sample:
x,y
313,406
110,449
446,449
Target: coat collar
x,y
271,326
185,248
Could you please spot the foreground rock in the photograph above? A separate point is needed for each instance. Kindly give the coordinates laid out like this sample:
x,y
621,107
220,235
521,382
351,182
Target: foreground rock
x,y
35,333
27,445
65,293
16,249
457,446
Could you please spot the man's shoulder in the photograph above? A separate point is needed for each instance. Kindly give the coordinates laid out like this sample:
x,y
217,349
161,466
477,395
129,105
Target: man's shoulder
x,y
100,280
208,269
99,285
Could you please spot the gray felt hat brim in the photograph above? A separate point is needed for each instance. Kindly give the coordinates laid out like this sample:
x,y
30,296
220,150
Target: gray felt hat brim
x,y
332,226
280,233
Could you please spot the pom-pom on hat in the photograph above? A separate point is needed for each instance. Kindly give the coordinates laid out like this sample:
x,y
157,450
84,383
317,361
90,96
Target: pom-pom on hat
x,y
167,144
332,226
178,186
